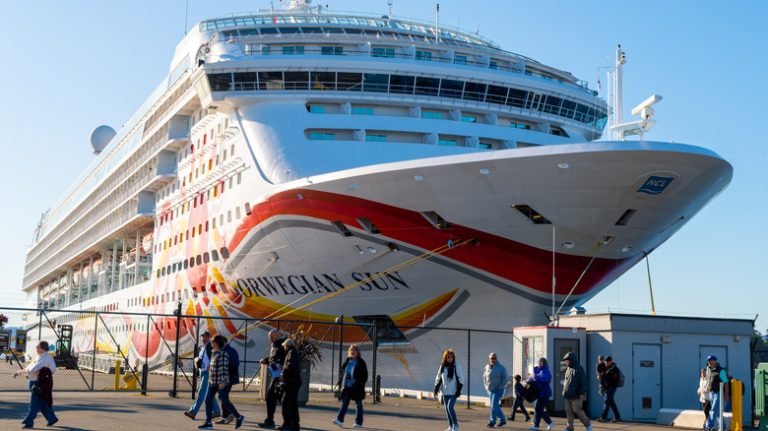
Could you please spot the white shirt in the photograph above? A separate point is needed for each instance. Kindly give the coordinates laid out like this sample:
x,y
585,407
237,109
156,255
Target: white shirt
x,y
43,361
205,361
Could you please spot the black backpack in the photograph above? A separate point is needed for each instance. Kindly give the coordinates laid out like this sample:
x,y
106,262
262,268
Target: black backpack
x,y
531,391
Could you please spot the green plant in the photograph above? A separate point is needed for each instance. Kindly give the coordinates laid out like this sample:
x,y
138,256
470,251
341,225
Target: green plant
x,y
309,348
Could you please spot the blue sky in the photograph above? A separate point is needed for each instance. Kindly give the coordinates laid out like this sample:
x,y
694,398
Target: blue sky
x,y
70,66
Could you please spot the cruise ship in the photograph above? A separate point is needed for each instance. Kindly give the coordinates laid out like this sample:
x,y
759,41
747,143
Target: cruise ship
x,y
310,165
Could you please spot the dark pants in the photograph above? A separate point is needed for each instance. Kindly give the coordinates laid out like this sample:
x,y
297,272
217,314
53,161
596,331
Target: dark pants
x,y
36,404
706,406
291,408
540,412
226,404
519,405
272,400
610,393
345,399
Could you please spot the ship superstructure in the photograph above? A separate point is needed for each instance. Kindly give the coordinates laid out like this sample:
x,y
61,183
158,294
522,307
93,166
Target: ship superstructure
x,y
295,155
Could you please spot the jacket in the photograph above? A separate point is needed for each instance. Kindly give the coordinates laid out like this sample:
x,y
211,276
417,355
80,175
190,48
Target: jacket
x,y
220,368
45,383
495,378
291,374
359,377
234,364
449,386
575,383
715,376
543,377
276,354
612,376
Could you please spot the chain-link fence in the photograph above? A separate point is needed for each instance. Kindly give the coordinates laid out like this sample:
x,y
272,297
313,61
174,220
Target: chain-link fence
x,y
137,352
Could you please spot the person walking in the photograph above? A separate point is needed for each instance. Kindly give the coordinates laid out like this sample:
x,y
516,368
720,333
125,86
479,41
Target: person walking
x,y
704,396
291,381
40,374
274,362
716,376
542,378
599,374
353,375
495,379
611,382
220,382
519,399
575,392
202,364
449,382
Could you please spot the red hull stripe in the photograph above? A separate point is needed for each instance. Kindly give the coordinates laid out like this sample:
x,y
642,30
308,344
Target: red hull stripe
x,y
505,258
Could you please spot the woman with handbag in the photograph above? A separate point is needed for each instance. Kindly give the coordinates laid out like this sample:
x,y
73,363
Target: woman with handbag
x,y
353,375
542,378
449,381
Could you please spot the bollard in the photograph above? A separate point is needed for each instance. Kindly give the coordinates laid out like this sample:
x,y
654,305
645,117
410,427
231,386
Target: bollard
x,y
144,372
720,401
736,405
117,374
377,390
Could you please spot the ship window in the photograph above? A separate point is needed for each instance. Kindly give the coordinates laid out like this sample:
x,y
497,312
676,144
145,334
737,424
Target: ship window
x,y
451,88
468,118
448,142
493,65
213,222
248,208
460,59
186,264
379,51
316,109
192,262
206,225
270,80
401,84
518,125
323,80
376,82
368,225
342,228
485,145
350,81
474,91
321,136
220,82
568,108
307,30
558,131
199,260
427,86
435,115
289,30
237,213
423,55
229,216
225,252
245,81
362,110
163,272
531,214
268,30
296,80
517,97
214,255
332,50
206,257
293,50
552,105
375,138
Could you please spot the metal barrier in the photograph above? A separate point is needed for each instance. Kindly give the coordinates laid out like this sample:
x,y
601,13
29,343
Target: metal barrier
x,y
156,351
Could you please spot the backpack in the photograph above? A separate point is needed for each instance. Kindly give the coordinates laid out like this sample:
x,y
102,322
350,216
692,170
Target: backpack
x,y
621,377
531,392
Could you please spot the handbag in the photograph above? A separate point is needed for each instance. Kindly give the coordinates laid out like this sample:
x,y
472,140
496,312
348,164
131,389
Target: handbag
x,y
37,390
531,392
459,386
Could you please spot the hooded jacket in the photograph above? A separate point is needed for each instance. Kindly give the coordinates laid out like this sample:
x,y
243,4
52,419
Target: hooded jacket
x,y
495,377
575,383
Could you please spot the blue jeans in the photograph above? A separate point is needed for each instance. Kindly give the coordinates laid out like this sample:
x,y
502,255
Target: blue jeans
x,y
496,412
540,412
450,411
202,391
610,404
345,405
37,405
714,412
223,396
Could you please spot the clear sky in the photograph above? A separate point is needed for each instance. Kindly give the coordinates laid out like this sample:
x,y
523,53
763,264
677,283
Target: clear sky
x,y
68,67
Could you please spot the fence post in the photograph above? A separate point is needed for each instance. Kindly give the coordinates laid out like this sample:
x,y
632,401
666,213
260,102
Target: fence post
x,y
245,354
176,351
340,320
469,367
376,389
145,374
96,318
333,359
197,352
40,326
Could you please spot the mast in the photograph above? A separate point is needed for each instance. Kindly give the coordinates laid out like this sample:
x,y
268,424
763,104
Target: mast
x,y
618,76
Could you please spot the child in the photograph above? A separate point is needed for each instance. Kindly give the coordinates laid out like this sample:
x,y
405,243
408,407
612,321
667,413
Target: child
x,y
519,398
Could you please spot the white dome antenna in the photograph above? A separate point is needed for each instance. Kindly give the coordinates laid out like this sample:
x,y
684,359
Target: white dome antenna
x,y
100,138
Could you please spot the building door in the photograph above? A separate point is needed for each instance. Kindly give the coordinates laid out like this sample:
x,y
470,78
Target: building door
x,y
720,351
646,380
562,346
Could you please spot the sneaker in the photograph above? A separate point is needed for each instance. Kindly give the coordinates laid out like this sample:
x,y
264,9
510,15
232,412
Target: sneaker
x,y
229,419
337,422
589,428
266,424
357,426
455,427
205,426
533,428
491,425
189,415
549,427
50,424
501,424
603,420
239,421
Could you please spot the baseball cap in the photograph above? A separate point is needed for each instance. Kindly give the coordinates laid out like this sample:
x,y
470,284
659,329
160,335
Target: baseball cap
x,y
711,358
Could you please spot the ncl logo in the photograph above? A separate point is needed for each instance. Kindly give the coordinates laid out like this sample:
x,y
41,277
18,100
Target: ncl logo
x,y
655,185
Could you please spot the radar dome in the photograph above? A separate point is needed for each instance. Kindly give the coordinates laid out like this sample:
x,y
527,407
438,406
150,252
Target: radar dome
x,y
100,137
